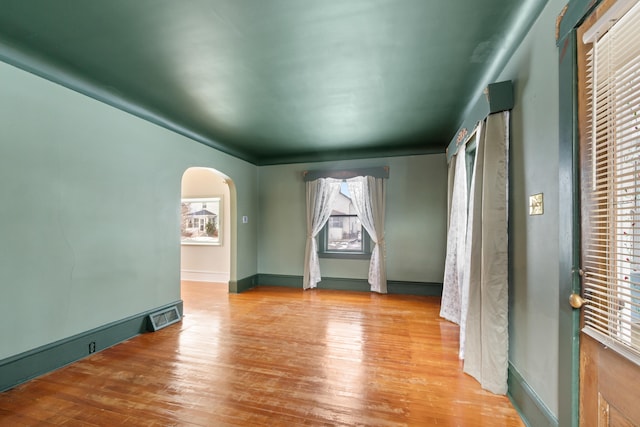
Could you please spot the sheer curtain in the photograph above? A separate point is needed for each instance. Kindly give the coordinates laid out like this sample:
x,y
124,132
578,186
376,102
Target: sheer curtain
x,y
484,326
321,193
368,195
450,305
467,262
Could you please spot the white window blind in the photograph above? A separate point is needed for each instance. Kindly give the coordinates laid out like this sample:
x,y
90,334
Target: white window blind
x,y
611,188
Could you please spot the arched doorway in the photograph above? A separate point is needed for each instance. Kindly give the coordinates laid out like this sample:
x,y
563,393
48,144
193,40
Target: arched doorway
x,y
207,235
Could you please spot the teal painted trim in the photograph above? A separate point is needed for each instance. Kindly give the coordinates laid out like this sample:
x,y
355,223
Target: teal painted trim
x,y
327,156
344,284
242,285
577,11
377,172
428,289
498,97
280,280
532,410
233,286
33,363
569,235
361,285
340,255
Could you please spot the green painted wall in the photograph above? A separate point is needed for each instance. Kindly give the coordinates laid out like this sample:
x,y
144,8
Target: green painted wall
x,y
534,239
90,212
89,217
415,219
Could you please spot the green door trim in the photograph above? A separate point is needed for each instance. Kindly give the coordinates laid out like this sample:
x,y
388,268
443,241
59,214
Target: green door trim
x,y
569,213
569,238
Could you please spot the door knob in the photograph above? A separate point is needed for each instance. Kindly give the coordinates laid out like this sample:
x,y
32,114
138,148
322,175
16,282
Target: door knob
x,y
576,301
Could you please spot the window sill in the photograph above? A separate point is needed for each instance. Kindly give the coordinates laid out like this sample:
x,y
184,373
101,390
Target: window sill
x,y
344,255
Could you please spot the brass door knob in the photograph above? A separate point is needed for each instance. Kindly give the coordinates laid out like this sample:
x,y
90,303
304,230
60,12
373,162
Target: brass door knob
x,y
576,301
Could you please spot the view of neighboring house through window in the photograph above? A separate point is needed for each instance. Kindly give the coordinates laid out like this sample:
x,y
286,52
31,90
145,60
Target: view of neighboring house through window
x,y
201,221
343,234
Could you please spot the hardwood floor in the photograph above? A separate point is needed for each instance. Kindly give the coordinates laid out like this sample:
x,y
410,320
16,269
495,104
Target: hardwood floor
x,y
272,356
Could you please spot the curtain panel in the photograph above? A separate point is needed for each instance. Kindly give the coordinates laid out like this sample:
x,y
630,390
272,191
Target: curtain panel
x,y
484,339
475,286
469,258
368,195
451,301
321,194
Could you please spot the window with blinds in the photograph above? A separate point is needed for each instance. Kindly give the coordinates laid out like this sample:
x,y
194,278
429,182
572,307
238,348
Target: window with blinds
x,y
611,180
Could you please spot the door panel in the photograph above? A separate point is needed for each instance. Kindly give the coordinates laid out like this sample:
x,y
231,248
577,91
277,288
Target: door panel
x,y
609,148
609,386
616,419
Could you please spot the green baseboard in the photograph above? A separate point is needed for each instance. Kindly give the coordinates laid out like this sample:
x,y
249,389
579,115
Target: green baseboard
x,y
25,366
280,280
239,286
428,289
532,410
336,283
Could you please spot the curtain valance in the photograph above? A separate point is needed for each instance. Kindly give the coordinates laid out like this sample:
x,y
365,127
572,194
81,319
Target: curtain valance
x,y
376,172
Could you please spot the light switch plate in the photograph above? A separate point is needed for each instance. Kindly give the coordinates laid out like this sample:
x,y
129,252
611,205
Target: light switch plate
x,y
245,219
536,204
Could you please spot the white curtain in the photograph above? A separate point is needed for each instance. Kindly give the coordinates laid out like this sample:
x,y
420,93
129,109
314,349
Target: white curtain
x,y
321,193
368,198
450,305
466,260
484,324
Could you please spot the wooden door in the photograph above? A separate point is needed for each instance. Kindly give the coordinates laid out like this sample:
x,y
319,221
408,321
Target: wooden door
x,y
609,385
609,121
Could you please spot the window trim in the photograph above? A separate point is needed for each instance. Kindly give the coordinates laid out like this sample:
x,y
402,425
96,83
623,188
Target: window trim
x,y
323,252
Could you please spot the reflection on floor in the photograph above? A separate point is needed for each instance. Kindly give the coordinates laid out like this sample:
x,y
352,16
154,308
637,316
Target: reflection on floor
x,y
272,356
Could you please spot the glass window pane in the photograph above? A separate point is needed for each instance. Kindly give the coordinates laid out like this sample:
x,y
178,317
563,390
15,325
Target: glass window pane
x,y
344,234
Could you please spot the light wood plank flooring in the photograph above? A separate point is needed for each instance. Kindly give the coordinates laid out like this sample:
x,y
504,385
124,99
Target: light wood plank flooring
x,y
272,356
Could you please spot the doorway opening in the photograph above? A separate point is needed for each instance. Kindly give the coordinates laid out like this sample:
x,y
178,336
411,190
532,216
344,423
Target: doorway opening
x,y
207,235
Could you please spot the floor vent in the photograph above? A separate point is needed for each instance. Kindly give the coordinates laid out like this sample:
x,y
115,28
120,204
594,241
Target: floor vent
x,y
163,318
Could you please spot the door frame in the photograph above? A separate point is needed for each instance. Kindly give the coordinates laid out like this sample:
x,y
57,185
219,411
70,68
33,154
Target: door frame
x,y
227,208
231,235
569,240
569,213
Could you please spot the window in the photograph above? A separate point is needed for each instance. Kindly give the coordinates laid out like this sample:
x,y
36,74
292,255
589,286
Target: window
x,y
610,113
343,236
201,221
470,159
